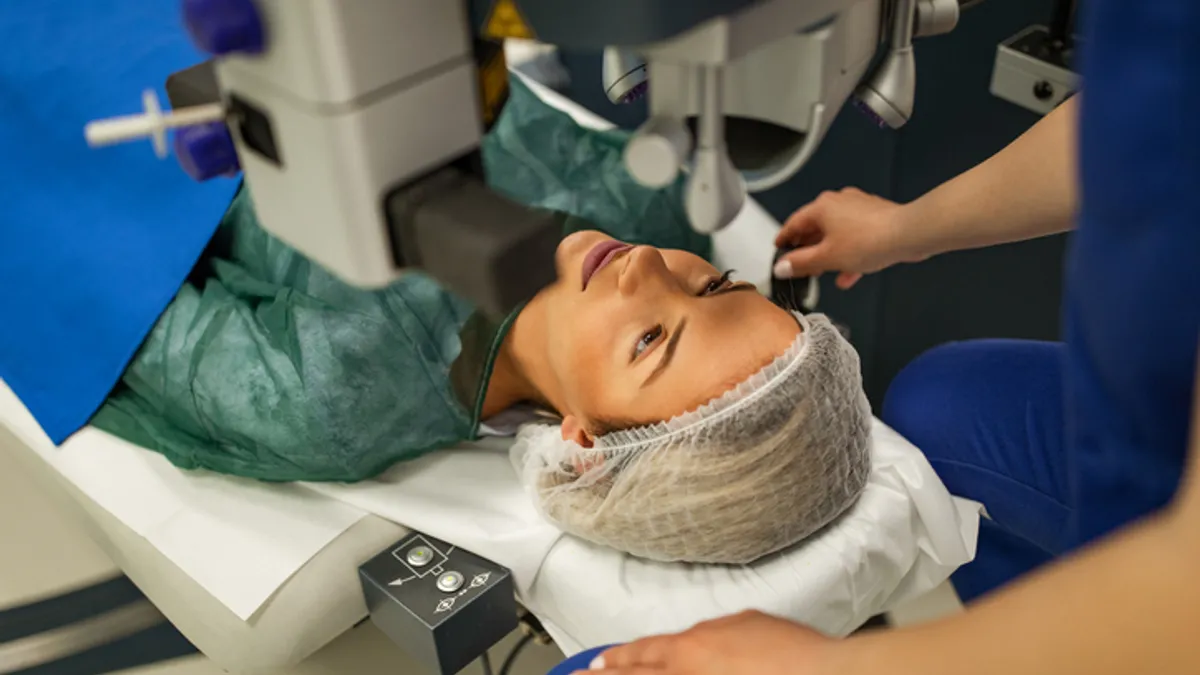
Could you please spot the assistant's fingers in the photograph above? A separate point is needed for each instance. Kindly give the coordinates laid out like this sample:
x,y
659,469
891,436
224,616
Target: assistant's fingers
x,y
847,279
800,224
652,651
630,670
806,261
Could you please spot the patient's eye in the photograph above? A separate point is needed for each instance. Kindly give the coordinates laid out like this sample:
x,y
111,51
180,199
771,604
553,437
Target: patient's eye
x,y
646,341
717,284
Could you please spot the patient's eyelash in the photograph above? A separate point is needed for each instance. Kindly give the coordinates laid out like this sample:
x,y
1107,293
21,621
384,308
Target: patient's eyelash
x,y
718,283
645,341
649,337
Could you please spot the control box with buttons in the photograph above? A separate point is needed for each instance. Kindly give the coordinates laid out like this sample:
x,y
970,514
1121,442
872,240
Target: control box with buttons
x,y
1033,69
443,605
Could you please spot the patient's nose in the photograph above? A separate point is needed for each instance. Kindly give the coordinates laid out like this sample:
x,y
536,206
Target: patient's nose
x,y
645,267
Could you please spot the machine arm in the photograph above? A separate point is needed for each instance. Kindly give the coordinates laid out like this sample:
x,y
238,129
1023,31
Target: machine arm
x,y
357,123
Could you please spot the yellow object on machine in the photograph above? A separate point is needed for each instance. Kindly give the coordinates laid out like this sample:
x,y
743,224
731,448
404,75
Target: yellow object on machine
x,y
506,21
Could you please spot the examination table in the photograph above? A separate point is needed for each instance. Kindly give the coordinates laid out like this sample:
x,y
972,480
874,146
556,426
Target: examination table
x,y
260,576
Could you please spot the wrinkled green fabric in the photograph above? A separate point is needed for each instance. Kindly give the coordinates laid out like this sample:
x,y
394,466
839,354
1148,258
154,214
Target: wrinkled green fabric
x,y
537,154
274,369
266,366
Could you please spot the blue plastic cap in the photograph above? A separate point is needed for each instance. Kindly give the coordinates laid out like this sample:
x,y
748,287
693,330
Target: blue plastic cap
x,y
206,151
221,27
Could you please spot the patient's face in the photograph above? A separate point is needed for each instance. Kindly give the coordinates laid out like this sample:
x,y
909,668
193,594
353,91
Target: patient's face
x,y
651,334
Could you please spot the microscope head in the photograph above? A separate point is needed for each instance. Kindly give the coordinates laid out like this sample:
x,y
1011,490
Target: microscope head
x,y
623,74
741,102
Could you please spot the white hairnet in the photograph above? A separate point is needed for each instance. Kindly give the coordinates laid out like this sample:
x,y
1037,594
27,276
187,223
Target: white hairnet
x,y
753,471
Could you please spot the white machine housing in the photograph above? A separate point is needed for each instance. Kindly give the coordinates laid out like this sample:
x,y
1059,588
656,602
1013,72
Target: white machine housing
x,y
772,72
362,96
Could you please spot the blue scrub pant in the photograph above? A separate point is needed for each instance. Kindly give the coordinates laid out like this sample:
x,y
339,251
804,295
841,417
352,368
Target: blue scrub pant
x,y
989,415
580,661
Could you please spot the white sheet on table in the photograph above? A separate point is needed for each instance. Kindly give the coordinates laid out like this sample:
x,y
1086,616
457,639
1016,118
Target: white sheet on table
x,y
239,539
468,496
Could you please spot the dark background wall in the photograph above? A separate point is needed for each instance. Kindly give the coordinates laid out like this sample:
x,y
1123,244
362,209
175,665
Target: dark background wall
x,y
893,316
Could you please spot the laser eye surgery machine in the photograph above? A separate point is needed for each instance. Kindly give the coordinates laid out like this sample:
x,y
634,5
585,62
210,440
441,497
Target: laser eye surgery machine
x,y
369,114
741,93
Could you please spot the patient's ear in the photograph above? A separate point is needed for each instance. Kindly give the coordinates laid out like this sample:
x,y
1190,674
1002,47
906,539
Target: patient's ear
x,y
572,430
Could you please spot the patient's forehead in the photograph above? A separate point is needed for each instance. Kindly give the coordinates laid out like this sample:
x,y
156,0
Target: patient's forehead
x,y
725,351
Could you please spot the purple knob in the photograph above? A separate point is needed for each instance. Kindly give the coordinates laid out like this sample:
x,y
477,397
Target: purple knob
x,y
870,113
206,151
221,27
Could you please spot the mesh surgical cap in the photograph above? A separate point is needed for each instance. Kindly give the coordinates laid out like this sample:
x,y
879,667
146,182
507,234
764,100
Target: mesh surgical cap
x,y
756,470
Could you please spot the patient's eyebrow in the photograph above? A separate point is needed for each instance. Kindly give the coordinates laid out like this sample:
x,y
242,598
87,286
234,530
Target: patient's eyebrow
x,y
668,352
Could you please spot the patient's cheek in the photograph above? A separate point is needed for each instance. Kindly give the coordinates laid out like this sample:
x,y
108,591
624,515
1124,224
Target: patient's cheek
x,y
586,360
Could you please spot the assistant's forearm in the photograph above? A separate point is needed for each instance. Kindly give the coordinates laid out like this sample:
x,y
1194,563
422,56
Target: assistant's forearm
x,y
1130,606
1026,190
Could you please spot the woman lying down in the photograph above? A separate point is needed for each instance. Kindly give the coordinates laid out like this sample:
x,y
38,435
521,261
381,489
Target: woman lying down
x,y
694,419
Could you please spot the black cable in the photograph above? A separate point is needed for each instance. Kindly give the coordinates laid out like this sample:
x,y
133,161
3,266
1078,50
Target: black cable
x,y
486,662
512,656
1061,26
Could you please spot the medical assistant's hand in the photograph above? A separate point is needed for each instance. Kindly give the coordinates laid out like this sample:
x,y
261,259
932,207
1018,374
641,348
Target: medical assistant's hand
x,y
849,231
1026,190
751,642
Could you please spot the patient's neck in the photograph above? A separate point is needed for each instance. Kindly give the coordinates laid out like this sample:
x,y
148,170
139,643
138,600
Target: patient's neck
x,y
521,372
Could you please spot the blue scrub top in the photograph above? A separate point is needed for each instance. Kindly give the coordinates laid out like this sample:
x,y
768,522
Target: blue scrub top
x,y
1132,306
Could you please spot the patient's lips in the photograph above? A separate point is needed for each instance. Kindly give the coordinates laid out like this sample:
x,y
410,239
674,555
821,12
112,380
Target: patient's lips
x,y
600,255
